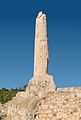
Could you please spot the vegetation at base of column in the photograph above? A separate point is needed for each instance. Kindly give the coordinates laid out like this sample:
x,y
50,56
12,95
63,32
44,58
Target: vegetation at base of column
x,y
6,95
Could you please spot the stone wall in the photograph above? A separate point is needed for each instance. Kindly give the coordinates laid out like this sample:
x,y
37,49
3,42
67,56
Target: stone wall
x,y
59,106
62,104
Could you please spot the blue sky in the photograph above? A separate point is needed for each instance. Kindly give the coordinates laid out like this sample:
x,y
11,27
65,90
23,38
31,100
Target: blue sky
x,y
17,31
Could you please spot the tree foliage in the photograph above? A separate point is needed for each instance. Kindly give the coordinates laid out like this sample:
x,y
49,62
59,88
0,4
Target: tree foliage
x,y
6,95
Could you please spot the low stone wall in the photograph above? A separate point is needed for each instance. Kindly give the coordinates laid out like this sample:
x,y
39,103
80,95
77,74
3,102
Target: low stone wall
x,y
59,106
62,104
70,89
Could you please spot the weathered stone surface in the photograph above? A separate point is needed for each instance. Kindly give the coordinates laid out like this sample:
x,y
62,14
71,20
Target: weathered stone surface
x,y
23,106
40,85
41,51
41,46
60,105
3,112
53,105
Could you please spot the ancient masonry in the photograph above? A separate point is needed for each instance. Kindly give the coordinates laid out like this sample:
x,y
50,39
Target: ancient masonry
x,y
41,100
41,46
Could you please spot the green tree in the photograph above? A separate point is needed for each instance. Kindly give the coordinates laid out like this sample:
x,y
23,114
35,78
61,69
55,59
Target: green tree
x,y
6,95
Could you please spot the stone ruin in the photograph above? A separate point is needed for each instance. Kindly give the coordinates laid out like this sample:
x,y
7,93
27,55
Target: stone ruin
x,y
42,100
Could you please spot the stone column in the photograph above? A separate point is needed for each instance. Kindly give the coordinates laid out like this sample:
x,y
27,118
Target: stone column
x,y
41,46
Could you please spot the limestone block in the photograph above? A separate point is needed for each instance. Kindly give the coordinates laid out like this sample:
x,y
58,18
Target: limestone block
x,y
41,46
